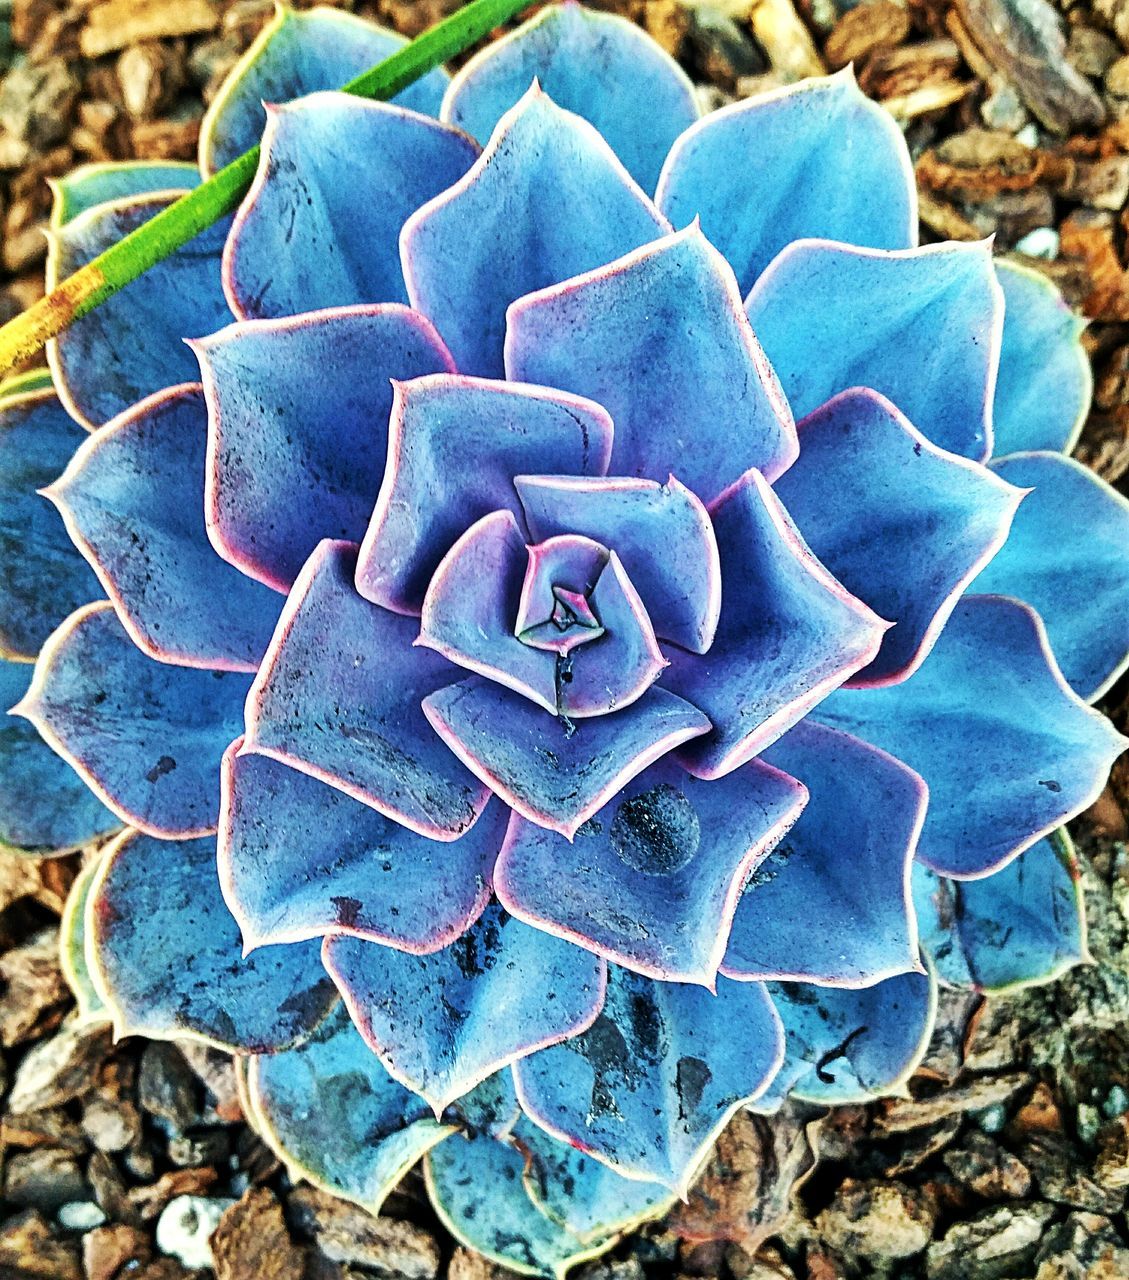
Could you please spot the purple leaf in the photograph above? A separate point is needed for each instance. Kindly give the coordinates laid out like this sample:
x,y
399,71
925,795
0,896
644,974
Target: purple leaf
x,y
499,233
598,65
99,183
850,1046
167,958
132,498
338,697
146,737
651,1084
1066,556
789,633
328,1108
133,344
454,446
44,578
471,604
652,881
1007,750
661,327
442,1023
303,238
814,159
1045,381
921,326
299,859
619,666
661,532
844,868
298,53
45,809
903,525
292,460
553,772
1026,924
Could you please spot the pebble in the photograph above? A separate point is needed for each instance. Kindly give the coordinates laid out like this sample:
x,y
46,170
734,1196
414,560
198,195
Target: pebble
x,y
997,1244
185,1227
1043,242
879,1220
987,1169
80,1215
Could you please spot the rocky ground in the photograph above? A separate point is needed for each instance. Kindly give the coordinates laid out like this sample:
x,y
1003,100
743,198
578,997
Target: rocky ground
x,y
1011,1159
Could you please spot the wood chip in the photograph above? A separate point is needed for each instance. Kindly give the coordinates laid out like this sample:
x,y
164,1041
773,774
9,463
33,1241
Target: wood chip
x,y
114,24
747,1188
252,1240
879,24
784,38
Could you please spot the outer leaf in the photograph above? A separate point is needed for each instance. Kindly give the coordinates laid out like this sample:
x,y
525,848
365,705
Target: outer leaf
x,y
454,447
654,1081
581,1194
921,326
145,737
844,869
297,53
661,532
475,1185
338,697
653,879
1045,383
298,859
814,159
291,460
789,633
1026,924
848,1046
662,326
73,945
551,771
166,956
443,1023
1007,750
44,808
903,525
598,65
130,498
304,239
334,1115
99,183
43,578
499,234
133,344
1067,556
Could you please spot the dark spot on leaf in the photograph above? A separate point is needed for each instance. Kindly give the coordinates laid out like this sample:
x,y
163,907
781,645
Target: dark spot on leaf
x,y
656,832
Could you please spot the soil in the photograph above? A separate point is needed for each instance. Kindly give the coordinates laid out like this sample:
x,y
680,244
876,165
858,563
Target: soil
x,y
1010,1158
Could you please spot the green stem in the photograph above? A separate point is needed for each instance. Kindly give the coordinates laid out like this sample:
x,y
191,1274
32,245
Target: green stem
x,y
173,227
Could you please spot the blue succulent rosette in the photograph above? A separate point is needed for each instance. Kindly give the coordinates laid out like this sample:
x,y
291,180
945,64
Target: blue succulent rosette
x,y
562,663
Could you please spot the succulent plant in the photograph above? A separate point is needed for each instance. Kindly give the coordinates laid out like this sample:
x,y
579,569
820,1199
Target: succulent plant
x,y
565,662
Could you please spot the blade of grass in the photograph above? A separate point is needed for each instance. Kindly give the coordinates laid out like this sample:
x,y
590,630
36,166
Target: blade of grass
x,y
173,227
